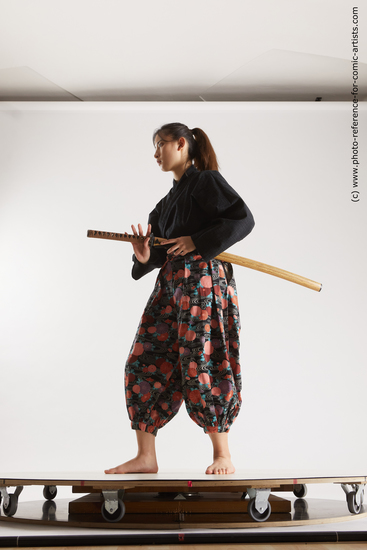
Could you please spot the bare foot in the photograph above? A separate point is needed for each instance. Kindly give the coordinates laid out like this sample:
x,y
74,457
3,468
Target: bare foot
x,y
221,465
139,464
222,458
145,461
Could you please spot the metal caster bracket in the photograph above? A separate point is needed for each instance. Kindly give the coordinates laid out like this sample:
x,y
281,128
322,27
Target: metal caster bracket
x,y
355,494
113,507
6,496
10,502
261,497
110,501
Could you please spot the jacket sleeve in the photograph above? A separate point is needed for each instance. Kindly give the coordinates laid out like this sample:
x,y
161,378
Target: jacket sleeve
x,y
229,220
157,256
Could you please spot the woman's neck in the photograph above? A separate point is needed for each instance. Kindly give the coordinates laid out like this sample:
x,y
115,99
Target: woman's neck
x,y
179,171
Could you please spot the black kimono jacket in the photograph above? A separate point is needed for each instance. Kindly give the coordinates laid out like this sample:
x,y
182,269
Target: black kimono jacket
x,y
205,207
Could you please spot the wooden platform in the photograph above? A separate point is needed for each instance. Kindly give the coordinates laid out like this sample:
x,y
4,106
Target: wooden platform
x,y
181,480
174,500
56,514
147,508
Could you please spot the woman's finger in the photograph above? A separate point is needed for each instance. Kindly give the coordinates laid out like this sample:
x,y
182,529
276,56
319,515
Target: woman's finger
x,y
173,248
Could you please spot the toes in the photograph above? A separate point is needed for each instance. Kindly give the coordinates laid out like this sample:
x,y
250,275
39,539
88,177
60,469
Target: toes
x,y
217,470
220,471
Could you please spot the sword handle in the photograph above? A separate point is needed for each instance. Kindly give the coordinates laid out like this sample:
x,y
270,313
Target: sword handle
x,y
124,237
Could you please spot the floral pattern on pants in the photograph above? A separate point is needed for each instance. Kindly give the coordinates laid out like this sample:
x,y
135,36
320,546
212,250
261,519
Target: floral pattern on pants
x,y
186,349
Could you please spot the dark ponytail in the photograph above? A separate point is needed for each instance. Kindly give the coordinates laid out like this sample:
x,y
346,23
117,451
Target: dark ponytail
x,y
200,149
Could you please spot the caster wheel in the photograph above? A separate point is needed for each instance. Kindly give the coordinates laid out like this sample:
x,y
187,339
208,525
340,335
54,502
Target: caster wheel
x,y
49,492
255,515
300,491
353,507
12,507
115,516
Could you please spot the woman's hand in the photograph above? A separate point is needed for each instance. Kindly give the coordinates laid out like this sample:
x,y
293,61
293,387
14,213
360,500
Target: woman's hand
x,y
181,245
142,249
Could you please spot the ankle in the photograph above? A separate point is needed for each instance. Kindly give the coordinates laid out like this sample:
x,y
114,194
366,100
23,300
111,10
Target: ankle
x,y
146,455
221,454
220,444
146,446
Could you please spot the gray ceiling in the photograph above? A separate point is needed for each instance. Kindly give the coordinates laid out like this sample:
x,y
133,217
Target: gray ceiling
x,y
165,50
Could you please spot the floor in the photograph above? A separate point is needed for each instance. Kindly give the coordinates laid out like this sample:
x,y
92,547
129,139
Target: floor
x,y
350,534
302,546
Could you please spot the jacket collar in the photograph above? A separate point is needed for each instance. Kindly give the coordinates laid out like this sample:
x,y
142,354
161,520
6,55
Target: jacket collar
x,y
191,170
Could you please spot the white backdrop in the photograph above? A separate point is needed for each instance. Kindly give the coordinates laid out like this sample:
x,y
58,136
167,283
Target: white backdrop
x,y
69,307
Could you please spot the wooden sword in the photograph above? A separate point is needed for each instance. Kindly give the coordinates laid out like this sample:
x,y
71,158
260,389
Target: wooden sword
x,y
224,257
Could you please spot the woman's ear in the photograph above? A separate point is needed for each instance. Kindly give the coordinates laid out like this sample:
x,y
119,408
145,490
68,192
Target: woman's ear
x,y
181,143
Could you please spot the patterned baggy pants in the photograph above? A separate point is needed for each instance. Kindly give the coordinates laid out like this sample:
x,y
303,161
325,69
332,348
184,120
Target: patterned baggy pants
x,y
186,349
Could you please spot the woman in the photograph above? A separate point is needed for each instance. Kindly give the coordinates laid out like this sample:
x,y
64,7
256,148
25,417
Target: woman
x,y
187,343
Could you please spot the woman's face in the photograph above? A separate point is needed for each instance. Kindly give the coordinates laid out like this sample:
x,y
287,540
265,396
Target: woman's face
x,y
168,153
